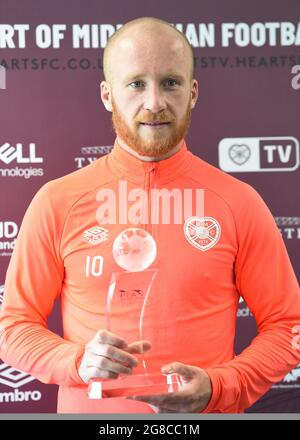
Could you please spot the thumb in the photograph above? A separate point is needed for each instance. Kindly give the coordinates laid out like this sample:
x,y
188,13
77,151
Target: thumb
x,y
139,347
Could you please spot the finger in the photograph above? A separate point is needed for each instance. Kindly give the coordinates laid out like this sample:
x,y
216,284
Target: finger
x,y
139,347
103,363
162,400
187,371
113,353
106,337
94,372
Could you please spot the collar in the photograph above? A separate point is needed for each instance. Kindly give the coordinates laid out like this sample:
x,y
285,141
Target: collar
x,y
128,167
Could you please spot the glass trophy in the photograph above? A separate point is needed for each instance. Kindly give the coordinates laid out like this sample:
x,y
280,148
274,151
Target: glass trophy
x,y
128,314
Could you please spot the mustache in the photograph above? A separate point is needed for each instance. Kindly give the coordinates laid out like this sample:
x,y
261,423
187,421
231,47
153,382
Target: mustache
x,y
163,117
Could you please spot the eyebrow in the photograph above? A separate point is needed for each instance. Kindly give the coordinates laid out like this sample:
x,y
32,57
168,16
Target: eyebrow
x,y
142,75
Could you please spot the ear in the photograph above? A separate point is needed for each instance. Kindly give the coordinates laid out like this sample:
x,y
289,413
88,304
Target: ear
x,y
194,92
105,93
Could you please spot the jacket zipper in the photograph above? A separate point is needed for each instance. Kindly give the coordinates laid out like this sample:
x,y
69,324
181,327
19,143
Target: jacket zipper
x,y
149,185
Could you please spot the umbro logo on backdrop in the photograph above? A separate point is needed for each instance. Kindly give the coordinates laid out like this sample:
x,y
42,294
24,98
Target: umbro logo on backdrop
x,y
12,377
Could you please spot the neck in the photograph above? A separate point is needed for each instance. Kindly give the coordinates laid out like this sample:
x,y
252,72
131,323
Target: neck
x,y
149,158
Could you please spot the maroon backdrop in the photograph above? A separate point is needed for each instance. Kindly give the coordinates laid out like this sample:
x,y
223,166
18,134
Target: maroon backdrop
x,y
53,122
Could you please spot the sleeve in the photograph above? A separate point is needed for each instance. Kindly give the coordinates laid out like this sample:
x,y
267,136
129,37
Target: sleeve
x,y
265,278
33,282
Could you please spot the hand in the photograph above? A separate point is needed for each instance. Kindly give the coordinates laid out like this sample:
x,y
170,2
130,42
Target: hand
x,y
107,355
193,397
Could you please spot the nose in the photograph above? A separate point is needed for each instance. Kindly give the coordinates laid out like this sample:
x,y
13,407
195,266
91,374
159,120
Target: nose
x,y
154,99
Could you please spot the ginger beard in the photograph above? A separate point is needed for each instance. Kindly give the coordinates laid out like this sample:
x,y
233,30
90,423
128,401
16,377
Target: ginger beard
x,y
152,142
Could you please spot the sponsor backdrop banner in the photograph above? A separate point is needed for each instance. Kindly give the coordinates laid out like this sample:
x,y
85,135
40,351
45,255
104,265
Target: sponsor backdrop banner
x,y
246,122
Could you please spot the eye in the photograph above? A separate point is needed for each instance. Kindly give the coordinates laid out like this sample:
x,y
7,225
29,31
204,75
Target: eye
x,y
136,83
171,82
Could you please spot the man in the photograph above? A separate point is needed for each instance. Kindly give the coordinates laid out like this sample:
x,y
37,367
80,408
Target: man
x,y
205,263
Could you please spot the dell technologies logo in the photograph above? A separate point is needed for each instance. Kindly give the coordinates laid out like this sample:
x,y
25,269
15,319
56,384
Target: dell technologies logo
x,y
17,154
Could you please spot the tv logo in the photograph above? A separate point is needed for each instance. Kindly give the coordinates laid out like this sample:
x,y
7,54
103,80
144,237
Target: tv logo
x,y
241,155
8,154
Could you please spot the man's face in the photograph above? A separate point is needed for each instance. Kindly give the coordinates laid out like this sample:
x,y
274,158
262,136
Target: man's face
x,y
152,94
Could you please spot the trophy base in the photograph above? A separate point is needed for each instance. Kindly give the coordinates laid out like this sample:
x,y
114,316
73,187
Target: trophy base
x,y
135,385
